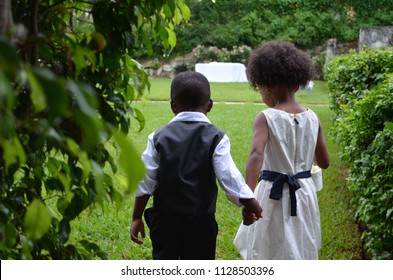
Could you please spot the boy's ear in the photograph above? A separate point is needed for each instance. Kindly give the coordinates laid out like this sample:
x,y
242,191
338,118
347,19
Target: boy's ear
x,y
209,105
174,108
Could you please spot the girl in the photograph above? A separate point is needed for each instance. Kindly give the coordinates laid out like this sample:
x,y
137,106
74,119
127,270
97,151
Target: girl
x,y
287,140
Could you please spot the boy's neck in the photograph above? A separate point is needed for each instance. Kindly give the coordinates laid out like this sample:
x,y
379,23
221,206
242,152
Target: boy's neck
x,y
191,110
204,109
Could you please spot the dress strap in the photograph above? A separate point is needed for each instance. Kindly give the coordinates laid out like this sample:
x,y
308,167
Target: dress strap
x,y
279,179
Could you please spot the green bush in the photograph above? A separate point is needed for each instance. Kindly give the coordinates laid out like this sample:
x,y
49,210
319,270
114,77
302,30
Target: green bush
x,y
348,76
208,54
361,95
371,174
371,184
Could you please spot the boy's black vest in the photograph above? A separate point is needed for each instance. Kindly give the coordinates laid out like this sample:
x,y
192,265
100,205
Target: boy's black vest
x,y
186,180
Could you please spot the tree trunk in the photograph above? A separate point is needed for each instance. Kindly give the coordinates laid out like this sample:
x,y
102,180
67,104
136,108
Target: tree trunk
x,y
34,31
6,22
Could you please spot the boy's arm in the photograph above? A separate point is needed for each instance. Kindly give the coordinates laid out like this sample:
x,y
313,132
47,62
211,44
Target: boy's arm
x,y
145,189
228,175
233,183
137,225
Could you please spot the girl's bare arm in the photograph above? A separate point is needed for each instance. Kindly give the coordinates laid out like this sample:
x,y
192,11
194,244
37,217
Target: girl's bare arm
x,y
255,159
322,158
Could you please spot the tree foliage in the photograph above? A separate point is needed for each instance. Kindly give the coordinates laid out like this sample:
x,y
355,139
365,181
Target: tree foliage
x,y
67,80
306,23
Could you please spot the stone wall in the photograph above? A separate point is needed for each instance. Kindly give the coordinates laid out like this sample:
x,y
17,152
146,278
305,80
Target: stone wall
x,y
320,55
169,68
372,37
375,37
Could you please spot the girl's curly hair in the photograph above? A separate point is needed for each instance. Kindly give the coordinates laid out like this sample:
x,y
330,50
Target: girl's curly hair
x,y
278,63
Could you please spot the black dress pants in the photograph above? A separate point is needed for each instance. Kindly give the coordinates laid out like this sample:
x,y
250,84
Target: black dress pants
x,y
182,237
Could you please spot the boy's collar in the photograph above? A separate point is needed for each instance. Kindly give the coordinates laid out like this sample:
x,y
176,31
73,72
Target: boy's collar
x,y
191,116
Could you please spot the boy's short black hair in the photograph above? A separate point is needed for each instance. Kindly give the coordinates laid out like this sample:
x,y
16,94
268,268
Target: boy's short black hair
x,y
278,63
190,90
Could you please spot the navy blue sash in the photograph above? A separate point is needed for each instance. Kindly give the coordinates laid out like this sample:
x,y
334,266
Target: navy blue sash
x,y
279,179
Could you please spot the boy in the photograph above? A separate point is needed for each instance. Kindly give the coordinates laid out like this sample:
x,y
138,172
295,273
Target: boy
x,y
183,160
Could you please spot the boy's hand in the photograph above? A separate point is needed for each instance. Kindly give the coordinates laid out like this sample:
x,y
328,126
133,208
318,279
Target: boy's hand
x,y
137,226
251,212
248,217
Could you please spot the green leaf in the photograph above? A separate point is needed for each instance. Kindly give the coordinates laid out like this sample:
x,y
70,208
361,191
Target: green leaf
x,y
91,129
62,204
9,235
91,56
140,20
7,124
116,197
147,43
54,89
167,11
92,249
64,230
53,166
171,37
37,220
100,41
6,92
12,152
75,206
37,92
85,98
99,177
79,60
389,212
27,247
389,125
138,115
9,62
130,92
185,10
129,160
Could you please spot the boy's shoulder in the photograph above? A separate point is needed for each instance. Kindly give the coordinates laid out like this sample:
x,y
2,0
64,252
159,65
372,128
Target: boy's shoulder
x,y
188,125
182,128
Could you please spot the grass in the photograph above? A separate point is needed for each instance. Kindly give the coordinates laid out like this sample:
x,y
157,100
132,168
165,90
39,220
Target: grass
x,y
108,227
235,92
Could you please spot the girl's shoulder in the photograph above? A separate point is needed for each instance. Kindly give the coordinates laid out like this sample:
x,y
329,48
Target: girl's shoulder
x,y
276,114
273,111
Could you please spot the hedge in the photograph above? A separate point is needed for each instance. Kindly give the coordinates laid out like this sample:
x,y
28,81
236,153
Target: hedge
x,y
361,97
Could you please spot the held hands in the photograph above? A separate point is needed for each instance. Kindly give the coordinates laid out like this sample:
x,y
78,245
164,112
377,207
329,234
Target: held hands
x,y
137,227
249,217
251,212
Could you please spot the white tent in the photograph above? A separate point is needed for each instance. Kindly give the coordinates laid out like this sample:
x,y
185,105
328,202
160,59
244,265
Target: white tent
x,y
222,71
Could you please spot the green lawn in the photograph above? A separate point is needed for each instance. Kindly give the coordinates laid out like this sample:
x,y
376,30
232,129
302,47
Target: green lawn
x,y
341,239
235,92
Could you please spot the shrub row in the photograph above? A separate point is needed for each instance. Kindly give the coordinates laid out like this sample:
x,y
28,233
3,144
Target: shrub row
x,y
361,95
236,54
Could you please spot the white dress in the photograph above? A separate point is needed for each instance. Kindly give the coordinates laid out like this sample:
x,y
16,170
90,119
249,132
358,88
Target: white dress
x,y
278,235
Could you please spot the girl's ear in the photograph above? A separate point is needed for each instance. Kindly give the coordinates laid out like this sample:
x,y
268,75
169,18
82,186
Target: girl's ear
x,y
295,88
